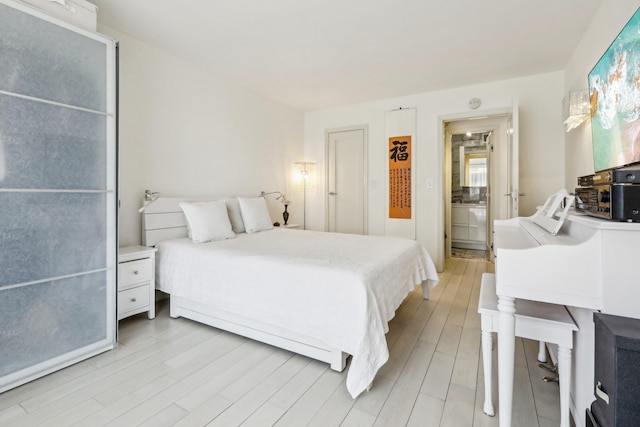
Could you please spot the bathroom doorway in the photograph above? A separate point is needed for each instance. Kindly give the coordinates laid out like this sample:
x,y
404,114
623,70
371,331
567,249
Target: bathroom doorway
x,y
503,177
474,164
470,163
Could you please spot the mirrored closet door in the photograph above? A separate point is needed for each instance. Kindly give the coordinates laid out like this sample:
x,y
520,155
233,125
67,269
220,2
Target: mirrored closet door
x,y
57,194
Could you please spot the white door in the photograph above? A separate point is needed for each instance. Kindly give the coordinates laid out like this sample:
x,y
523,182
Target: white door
x,y
490,185
346,181
513,163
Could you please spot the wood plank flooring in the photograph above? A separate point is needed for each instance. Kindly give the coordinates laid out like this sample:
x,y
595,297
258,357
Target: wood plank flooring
x,y
175,372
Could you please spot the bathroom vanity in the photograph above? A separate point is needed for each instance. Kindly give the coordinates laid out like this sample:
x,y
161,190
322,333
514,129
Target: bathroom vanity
x,y
469,225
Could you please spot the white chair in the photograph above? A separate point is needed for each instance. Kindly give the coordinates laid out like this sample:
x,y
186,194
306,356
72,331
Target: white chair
x,y
534,320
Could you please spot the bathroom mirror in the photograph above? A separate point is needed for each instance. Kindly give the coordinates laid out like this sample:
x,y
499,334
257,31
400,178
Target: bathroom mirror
x,y
475,170
473,167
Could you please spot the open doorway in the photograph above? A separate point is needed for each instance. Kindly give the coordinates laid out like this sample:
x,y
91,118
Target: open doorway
x,y
470,171
476,174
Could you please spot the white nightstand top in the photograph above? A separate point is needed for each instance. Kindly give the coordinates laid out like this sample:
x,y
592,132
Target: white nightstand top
x,y
127,253
290,226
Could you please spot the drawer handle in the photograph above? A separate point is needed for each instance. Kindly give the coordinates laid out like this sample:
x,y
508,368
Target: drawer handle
x,y
135,272
133,300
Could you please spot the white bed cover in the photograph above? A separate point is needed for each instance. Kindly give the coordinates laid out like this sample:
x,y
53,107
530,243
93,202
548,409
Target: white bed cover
x,y
339,288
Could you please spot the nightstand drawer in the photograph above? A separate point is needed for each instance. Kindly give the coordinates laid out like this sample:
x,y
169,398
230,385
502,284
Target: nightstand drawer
x,y
136,281
133,298
133,272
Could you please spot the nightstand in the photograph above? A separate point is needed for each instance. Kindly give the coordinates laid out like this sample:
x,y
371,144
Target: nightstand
x,y
290,226
136,281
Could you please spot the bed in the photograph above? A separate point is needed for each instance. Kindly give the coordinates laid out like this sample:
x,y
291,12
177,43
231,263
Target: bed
x,y
322,295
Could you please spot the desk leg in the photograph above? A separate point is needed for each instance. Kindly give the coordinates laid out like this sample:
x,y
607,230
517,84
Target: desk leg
x,y
542,352
506,355
486,364
564,374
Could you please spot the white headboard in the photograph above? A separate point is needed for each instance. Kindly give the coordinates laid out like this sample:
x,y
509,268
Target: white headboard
x,y
163,218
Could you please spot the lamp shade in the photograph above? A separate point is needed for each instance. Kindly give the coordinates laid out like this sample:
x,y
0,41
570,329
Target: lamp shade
x,y
285,201
305,176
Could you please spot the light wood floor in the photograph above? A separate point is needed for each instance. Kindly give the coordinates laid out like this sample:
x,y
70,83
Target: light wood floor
x,y
177,372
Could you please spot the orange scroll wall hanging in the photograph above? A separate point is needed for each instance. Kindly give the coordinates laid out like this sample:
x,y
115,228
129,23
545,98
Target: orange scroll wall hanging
x,y
400,177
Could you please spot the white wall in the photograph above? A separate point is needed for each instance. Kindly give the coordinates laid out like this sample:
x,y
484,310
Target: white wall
x,y
184,131
607,23
541,147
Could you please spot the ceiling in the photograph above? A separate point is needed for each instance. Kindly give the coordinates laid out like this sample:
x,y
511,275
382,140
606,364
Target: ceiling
x,y
313,54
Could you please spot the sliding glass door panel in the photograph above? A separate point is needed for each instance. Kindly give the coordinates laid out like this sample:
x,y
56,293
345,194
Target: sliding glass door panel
x,y
51,147
58,194
50,62
58,317
48,235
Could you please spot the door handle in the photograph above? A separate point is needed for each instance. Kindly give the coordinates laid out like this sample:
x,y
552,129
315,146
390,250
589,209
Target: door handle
x,y
333,193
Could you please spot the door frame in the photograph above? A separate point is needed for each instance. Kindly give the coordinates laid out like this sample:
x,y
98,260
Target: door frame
x,y
497,163
365,171
456,127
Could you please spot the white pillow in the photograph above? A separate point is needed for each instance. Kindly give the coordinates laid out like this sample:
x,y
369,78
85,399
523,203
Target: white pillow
x,y
208,221
235,216
255,214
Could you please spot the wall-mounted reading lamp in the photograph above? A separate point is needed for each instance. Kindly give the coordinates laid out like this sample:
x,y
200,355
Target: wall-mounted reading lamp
x,y
262,194
150,197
